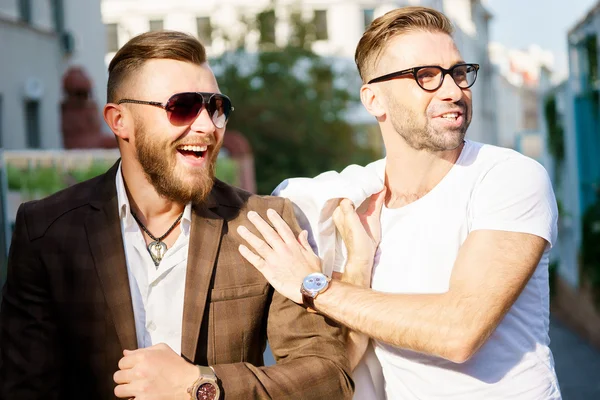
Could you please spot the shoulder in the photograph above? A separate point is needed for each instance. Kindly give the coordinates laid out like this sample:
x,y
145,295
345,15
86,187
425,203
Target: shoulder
x,y
234,197
39,215
505,166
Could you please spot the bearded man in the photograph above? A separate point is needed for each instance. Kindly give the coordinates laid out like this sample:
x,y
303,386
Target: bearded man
x,y
131,284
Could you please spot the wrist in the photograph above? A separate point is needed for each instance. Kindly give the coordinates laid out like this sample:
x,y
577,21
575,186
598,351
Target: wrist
x,y
205,386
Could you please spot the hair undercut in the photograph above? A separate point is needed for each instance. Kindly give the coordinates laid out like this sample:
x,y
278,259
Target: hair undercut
x,y
392,24
131,57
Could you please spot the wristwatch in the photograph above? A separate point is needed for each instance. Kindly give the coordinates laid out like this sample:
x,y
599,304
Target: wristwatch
x,y
313,285
206,387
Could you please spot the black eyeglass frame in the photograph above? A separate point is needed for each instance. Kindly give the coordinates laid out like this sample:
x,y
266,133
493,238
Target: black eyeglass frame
x,y
203,95
413,71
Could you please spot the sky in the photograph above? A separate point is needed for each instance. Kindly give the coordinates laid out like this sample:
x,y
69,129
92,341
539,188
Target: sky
x,y
521,23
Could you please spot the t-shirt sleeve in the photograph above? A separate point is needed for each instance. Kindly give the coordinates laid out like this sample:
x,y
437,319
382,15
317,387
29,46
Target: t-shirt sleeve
x,y
516,195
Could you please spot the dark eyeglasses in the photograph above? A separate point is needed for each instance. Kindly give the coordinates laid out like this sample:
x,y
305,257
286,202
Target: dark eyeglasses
x,y
431,77
183,108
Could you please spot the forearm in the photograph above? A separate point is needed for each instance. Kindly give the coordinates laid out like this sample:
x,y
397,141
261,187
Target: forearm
x,y
434,324
303,378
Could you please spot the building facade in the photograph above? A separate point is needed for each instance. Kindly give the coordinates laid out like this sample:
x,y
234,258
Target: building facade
x,y
338,27
39,41
571,126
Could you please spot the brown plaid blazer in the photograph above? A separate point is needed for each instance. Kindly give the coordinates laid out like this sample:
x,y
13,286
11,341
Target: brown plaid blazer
x,y
67,314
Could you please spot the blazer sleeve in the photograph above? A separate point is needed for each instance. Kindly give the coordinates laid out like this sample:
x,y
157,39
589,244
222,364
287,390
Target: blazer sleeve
x,y
30,353
309,349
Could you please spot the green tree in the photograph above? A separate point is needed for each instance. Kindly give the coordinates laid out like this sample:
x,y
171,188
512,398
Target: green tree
x,y
290,103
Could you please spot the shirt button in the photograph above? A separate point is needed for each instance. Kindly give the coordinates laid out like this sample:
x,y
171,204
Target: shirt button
x,y
151,326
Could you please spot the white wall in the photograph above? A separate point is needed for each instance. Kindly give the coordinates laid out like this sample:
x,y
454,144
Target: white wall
x,y
35,52
29,54
84,19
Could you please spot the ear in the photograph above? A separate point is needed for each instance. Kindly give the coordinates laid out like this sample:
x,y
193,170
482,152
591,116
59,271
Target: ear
x,y
370,100
115,119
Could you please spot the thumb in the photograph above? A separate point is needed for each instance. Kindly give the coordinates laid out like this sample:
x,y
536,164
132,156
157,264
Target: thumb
x,y
303,239
379,199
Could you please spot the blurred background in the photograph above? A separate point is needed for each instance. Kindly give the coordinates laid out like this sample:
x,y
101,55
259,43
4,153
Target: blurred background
x,y
288,68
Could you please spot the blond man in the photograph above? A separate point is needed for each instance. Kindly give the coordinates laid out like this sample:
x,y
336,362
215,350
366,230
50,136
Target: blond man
x,y
447,266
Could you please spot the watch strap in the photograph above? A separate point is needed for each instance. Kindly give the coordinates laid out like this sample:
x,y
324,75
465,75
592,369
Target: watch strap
x,y
207,377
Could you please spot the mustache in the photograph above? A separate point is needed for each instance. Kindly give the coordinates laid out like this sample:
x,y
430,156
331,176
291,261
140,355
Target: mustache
x,y
441,109
197,142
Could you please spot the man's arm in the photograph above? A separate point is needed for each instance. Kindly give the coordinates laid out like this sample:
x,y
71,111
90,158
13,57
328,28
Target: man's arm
x,y
30,353
312,362
490,272
514,219
309,349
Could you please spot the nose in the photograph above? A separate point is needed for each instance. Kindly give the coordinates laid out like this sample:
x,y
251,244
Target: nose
x,y
203,122
449,91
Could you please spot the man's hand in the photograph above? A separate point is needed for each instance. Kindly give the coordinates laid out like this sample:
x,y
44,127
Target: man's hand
x,y
283,259
361,233
154,373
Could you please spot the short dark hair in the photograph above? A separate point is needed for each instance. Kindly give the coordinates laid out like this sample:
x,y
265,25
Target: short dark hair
x,y
164,44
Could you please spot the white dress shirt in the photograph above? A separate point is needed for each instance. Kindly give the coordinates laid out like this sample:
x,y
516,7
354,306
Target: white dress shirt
x,y
157,293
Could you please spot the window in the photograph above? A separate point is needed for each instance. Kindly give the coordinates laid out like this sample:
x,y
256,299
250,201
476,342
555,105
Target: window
x,y
321,25
25,10
266,26
59,15
204,30
32,124
112,37
156,25
368,16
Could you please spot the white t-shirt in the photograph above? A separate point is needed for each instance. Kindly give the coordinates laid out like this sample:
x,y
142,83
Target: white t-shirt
x,y
488,188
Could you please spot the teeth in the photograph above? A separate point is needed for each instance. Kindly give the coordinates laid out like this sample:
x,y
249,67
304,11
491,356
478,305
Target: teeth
x,y
197,149
450,115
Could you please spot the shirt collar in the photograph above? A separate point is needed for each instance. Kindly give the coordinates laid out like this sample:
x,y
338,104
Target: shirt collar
x,y
125,208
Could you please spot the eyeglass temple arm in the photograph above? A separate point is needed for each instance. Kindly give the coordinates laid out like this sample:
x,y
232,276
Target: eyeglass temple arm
x,y
150,103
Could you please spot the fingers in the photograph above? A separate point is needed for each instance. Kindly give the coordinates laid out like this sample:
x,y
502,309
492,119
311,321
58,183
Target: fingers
x,y
129,360
123,376
252,257
126,391
259,245
303,240
376,201
283,229
267,232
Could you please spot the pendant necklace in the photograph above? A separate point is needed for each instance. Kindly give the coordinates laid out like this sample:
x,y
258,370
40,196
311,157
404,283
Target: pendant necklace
x,y
157,248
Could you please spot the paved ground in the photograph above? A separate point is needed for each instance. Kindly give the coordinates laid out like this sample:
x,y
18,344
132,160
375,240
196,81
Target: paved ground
x,y
577,364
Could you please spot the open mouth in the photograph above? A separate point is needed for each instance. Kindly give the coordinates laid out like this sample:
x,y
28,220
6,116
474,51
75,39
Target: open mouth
x,y
452,116
192,151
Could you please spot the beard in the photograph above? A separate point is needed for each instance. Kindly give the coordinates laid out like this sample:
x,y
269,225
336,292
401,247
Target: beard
x,y
425,136
158,161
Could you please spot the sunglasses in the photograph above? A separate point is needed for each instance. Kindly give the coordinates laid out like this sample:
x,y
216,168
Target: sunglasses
x,y
183,108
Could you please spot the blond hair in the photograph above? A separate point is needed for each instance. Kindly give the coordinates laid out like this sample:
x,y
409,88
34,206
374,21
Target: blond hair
x,y
394,23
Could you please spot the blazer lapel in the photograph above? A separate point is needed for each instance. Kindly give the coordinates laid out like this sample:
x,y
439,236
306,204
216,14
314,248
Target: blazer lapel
x,y
205,237
103,229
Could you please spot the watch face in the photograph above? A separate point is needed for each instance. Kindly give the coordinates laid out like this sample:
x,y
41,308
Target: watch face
x,y
315,282
207,391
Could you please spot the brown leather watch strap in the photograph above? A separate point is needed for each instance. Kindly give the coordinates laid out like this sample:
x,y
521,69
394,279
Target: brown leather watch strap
x,y
308,302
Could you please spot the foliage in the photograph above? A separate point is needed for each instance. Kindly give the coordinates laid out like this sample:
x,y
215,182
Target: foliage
x,y
226,170
591,48
590,247
289,104
552,274
556,140
44,181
